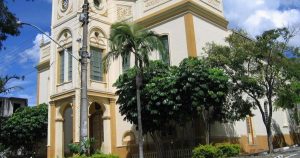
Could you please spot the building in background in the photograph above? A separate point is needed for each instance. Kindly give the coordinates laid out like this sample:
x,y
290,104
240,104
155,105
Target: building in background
x,y
187,25
9,105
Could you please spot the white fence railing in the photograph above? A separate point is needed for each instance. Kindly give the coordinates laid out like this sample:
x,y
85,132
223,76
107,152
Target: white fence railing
x,y
180,153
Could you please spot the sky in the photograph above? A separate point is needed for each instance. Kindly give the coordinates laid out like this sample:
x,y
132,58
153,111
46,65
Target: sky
x,y
22,53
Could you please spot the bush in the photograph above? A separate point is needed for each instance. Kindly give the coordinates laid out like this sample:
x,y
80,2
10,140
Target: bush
x,y
104,156
229,150
75,148
100,155
219,151
25,130
206,151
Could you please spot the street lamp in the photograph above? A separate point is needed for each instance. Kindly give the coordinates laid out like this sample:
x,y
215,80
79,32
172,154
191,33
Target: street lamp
x,y
83,64
44,33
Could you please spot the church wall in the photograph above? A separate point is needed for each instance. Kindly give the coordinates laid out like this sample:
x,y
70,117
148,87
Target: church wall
x,y
147,7
207,32
177,39
43,87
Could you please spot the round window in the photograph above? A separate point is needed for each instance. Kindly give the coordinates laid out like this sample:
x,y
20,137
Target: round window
x,y
98,4
65,4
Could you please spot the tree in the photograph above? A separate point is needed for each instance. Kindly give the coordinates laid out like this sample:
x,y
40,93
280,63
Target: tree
x,y
203,90
8,23
25,129
126,39
259,68
4,82
173,96
158,110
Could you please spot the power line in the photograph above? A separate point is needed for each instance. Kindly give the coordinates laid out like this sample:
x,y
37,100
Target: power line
x,y
14,57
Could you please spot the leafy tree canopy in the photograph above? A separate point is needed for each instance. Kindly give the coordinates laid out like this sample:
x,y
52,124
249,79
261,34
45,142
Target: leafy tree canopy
x,y
259,69
8,23
175,94
25,129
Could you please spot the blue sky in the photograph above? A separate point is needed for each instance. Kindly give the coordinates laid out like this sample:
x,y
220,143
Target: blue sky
x,y
21,53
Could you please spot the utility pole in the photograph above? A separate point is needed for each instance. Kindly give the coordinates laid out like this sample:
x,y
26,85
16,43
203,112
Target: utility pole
x,y
84,18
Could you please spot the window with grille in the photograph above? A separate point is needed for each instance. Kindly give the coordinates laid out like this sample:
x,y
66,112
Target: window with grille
x,y
126,63
65,65
166,57
96,64
61,66
70,67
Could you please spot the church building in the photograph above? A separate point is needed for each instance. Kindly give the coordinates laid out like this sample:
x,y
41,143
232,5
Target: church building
x,y
187,25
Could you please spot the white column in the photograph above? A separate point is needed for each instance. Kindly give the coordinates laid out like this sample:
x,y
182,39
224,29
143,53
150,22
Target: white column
x,y
106,147
77,116
59,139
49,125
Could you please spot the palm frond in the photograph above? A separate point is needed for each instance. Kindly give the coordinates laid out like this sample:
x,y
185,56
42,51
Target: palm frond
x,y
4,81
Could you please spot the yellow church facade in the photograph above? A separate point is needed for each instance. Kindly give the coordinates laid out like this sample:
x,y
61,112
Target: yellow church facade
x,y
187,25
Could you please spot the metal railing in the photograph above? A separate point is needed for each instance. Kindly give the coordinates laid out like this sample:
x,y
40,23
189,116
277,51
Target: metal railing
x,y
179,153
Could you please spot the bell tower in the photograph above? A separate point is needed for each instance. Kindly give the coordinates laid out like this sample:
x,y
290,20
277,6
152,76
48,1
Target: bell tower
x,y
64,71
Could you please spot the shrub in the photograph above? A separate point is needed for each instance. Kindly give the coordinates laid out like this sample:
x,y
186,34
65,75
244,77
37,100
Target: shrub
x,y
75,148
100,155
104,156
229,150
24,131
206,151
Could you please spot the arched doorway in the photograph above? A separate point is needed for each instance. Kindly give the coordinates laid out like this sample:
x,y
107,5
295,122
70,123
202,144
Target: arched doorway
x,y
96,126
68,129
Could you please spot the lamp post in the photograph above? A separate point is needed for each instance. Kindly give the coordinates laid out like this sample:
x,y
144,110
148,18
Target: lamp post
x,y
44,33
84,17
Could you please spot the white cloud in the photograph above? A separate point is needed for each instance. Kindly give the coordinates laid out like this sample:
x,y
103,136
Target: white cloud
x,y
256,16
33,53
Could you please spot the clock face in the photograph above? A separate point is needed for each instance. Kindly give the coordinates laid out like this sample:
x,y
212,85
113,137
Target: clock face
x,y
65,4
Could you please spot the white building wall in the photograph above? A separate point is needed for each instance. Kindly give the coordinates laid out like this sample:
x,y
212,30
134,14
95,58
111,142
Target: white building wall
x,y
44,87
177,39
207,32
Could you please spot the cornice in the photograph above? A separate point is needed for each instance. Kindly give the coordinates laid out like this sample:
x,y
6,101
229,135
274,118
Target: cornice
x,y
43,65
181,8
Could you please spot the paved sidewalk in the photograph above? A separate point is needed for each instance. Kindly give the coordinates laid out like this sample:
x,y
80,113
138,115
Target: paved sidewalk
x,y
287,152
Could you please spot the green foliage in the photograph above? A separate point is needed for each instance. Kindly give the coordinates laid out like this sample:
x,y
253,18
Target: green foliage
x,y
219,151
8,23
126,86
229,150
104,156
127,38
202,88
99,155
82,147
289,96
260,70
75,148
207,151
25,129
4,82
173,94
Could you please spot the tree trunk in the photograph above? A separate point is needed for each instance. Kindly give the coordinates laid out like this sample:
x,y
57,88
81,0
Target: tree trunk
x,y
158,145
207,126
140,127
270,139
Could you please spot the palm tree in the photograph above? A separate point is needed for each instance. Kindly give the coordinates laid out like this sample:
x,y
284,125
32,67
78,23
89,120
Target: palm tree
x,y
126,39
4,82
